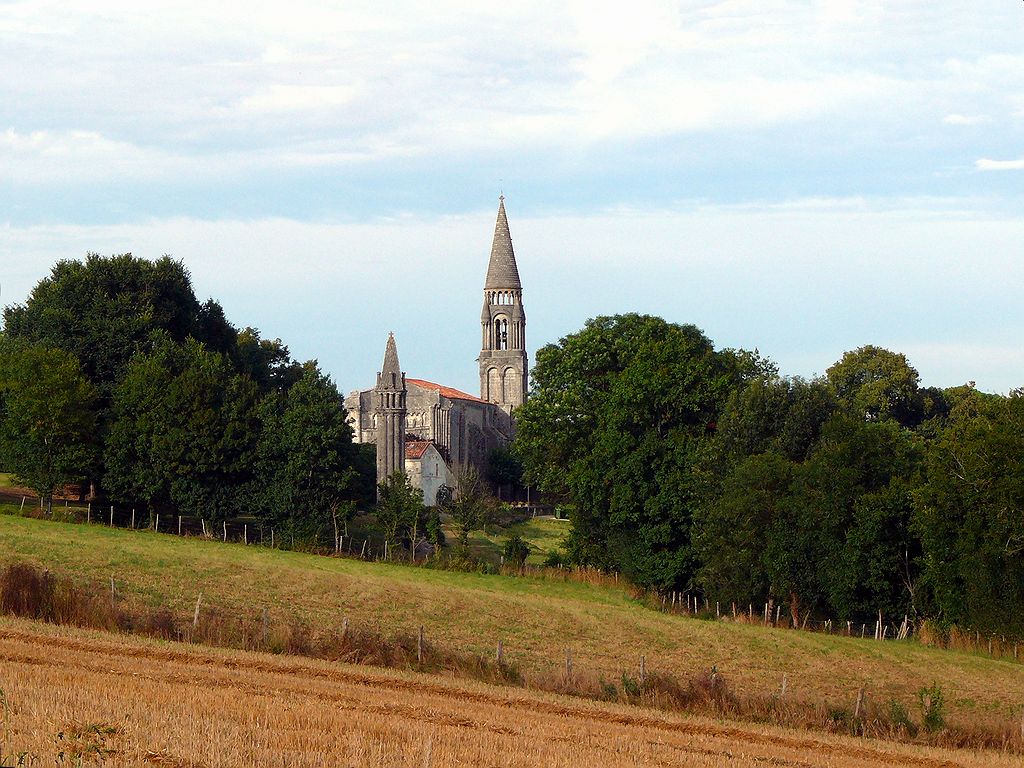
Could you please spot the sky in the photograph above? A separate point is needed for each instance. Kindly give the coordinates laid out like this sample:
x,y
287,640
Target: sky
x,y
802,178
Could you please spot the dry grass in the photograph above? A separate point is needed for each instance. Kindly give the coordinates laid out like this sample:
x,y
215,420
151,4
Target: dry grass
x,y
115,700
537,619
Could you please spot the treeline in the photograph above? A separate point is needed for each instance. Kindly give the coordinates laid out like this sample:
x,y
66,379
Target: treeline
x,y
690,468
113,372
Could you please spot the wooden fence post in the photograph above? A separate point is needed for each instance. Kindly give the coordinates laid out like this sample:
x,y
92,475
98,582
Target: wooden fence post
x,y
22,509
499,655
643,669
225,523
113,594
568,663
111,515
156,526
860,703
179,525
266,621
419,646
785,679
195,614
88,513
245,534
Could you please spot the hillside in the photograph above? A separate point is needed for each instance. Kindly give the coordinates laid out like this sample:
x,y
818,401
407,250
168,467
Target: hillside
x,y
537,620
85,696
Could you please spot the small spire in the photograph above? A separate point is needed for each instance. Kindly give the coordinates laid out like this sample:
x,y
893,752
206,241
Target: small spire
x,y
502,271
391,371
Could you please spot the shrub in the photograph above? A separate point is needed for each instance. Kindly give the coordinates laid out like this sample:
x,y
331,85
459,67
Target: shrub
x,y
932,706
515,551
554,559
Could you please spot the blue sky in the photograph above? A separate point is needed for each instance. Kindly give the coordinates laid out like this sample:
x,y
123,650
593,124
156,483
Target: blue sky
x,y
800,177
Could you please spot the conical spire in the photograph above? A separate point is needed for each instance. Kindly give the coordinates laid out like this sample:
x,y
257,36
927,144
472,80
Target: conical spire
x,y
390,372
502,271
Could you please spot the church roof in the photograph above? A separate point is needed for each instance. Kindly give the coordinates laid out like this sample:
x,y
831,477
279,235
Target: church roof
x,y
502,271
414,449
449,392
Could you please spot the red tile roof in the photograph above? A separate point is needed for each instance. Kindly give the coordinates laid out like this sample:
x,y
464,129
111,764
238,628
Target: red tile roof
x,y
414,449
451,394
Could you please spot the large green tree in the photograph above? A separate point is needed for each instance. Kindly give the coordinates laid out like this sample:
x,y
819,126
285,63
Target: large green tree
x,y
105,309
613,421
184,433
306,454
878,384
47,422
970,514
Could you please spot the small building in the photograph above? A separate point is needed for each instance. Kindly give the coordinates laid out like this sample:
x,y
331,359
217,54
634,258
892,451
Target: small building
x,y
427,469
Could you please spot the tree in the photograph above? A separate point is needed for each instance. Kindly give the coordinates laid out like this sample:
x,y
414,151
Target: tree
x,y
615,418
399,508
105,309
306,454
515,551
47,422
969,514
878,384
469,505
184,433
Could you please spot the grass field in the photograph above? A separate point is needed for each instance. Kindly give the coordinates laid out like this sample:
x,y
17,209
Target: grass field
x,y
543,534
81,698
536,619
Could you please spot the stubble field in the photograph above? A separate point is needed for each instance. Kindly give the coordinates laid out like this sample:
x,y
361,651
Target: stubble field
x,y
117,700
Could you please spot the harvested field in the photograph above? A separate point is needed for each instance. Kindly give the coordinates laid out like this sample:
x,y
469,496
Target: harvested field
x,y
117,700
537,620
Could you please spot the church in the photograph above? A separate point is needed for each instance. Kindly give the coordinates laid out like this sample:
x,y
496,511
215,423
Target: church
x,y
430,431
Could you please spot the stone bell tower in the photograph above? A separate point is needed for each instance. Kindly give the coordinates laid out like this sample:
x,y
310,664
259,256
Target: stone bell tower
x,y
503,363
389,414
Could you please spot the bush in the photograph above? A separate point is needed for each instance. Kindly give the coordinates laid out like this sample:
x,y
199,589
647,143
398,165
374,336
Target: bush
x,y
515,551
555,559
932,706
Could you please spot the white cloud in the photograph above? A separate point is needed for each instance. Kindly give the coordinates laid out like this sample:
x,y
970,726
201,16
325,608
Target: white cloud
x,y
958,119
465,77
296,98
986,164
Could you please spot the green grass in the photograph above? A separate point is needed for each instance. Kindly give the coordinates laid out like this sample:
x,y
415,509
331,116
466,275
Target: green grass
x,y
536,619
543,534
6,480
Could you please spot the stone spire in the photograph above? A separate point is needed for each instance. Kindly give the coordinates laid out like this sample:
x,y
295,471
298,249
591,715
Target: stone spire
x,y
503,363
502,271
390,413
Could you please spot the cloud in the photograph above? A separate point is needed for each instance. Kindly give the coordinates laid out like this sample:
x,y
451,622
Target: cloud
x,y
986,164
957,119
297,98
464,79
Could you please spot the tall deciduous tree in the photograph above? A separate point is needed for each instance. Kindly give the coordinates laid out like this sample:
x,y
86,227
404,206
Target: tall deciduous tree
x,y
46,419
970,514
399,508
615,416
184,432
306,453
878,384
469,503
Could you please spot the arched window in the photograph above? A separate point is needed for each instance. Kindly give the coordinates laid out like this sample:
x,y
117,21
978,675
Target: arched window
x,y
500,333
